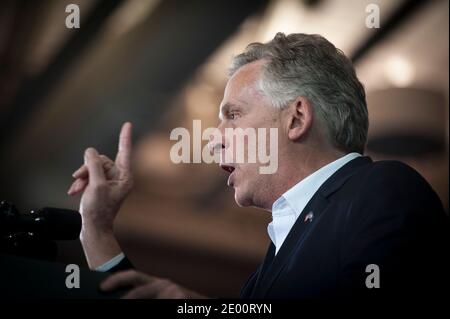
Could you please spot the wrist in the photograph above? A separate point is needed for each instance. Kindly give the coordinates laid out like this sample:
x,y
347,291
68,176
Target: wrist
x,y
90,225
99,246
91,232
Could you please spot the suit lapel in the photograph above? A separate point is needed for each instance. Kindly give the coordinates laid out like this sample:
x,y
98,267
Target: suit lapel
x,y
263,268
273,265
295,237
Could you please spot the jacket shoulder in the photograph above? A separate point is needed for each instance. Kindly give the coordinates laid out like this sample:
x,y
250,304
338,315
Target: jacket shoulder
x,y
394,176
391,189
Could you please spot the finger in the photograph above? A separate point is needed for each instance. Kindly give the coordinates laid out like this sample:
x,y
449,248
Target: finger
x,y
78,186
81,185
123,279
95,167
124,153
71,188
108,166
150,290
83,172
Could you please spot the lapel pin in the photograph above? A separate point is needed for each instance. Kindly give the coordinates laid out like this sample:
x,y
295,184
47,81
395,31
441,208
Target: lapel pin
x,y
309,217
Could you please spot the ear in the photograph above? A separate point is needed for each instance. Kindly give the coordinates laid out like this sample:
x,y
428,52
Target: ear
x,y
300,118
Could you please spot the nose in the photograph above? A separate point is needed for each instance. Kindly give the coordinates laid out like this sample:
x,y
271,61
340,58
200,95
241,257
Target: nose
x,y
216,143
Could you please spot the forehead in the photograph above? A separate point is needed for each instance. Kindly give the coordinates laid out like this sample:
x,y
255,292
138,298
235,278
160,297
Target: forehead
x,y
242,87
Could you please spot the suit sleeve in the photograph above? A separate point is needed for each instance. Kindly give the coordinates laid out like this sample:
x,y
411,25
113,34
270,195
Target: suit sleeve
x,y
397,223
124,264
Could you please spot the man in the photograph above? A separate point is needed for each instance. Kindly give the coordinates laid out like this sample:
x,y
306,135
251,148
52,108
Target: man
x,y
342,224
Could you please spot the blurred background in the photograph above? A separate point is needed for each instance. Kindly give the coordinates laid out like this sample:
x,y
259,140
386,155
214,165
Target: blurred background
x,y
162,63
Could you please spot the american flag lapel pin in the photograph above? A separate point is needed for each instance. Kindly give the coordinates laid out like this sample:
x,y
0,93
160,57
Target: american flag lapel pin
x,y
309,217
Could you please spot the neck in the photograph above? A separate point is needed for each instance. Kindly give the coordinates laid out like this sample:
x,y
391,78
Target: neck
x,y
296,168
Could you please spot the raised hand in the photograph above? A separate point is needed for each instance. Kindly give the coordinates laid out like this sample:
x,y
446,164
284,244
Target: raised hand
x,y
104,185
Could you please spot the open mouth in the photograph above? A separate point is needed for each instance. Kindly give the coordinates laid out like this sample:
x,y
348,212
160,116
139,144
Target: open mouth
x,y
230,169
227,168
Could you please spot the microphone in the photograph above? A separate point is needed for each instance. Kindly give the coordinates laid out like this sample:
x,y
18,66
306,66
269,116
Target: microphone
x,y
46,223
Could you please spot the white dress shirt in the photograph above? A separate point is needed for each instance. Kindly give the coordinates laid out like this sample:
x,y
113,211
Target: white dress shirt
x,y
111,263
287,208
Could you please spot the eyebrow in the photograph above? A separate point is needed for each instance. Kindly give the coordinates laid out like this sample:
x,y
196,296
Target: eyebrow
x,y
227,106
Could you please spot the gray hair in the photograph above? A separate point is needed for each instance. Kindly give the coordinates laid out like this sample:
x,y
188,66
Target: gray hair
x,y
310,66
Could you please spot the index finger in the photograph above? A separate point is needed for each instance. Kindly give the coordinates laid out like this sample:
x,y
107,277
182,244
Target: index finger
x,y
124,152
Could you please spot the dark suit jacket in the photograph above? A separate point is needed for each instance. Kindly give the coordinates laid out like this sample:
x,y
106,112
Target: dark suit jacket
x,y
381,213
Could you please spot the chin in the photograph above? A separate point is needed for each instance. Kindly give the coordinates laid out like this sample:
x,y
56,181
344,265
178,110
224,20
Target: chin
x,y
242,198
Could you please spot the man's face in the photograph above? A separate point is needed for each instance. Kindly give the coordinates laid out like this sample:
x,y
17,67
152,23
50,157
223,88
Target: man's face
x,y
245,107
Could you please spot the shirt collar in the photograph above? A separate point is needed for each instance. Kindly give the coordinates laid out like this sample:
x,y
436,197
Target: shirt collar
x,y
288,207
300,194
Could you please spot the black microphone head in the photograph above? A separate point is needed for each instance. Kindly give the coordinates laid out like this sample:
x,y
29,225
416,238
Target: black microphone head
x,y
58,223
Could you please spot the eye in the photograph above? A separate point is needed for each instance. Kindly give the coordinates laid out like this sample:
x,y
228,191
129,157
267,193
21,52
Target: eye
x,y
233,115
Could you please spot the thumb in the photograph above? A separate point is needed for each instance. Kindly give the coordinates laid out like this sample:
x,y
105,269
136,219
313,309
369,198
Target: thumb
x,y
94,165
